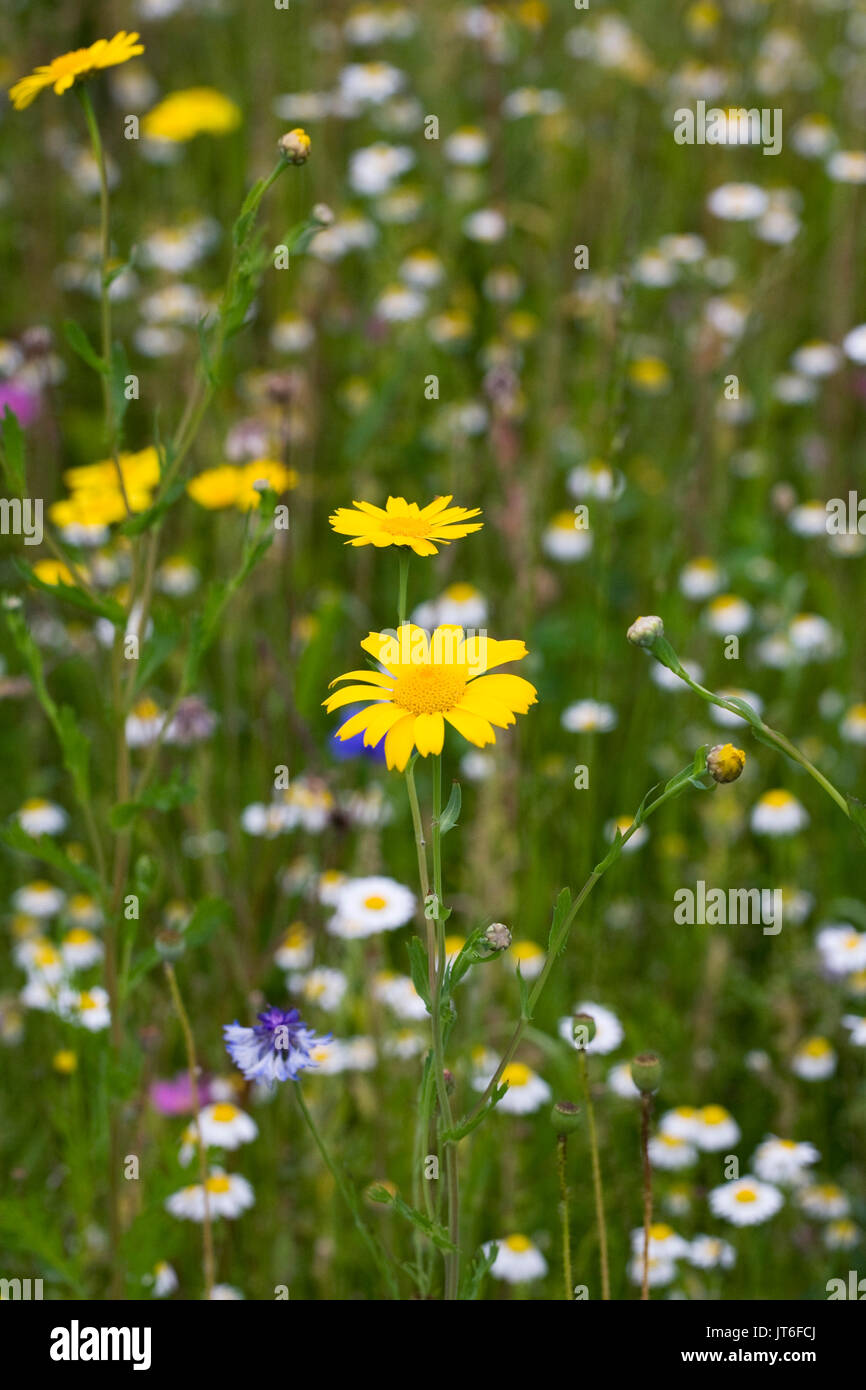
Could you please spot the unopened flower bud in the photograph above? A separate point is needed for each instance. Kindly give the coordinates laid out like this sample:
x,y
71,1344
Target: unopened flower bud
x,y
646,1072
324,214
725,762
169,944
565,1117
582,1030
295,146
450,1083
382,1192
498,936
644,631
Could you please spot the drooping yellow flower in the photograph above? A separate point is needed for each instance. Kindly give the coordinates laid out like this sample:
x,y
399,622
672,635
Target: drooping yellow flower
x,y
194,111
426,682
53,572
424,529
72,67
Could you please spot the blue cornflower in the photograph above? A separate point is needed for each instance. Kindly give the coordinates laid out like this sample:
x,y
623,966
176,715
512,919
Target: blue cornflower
x,y
277,1048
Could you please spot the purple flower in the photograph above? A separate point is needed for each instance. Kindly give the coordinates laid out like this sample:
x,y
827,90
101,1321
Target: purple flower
x,y
175,1097
22,402
277,1048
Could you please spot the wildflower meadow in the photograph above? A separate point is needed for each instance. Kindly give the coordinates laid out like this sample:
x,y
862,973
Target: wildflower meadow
x,y
432,664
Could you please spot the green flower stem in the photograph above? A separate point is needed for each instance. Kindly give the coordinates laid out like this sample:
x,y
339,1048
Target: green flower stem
x,y
104,295
404,586
208,1264
646,1103
598,1191
764,731
348,1194
452,1258
561,1158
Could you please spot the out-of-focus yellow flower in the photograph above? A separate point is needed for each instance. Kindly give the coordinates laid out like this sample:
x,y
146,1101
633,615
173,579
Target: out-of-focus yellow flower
x,y
270,471
65,1062
649,374
423,529
194,111
216,488
61,73
140,470
53,572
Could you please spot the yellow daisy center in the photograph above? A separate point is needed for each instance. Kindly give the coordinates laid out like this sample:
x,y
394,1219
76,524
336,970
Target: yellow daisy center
x,y
224,1113
220,1183
404,525
713,1115
516,1074
660,1231
429,690
519,1244
746,1195
374,903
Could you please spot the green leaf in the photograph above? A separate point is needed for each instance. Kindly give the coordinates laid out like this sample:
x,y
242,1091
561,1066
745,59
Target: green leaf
x,y
163,796
143,521
12,452
432,1229
559,926
470,1284
103,607
448,818
80,343
49,852
418,968
857,809
117,386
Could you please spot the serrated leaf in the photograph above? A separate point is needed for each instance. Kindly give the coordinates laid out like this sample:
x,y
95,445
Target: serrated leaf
x,y
49,852
80,343
449,817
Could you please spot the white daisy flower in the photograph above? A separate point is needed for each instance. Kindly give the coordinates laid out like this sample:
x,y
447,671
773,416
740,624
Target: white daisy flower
x,y
399,304
808,519
337,1055
324,986
738,202
89,1008
609,1031
330,885
487,225
405,1044
41,959
659,1271
814,1060
825,1201
700,578
847,166
664,1243
669,1153
38,899
623,824
460,604
842,1235
80,949
817,358
563,540
619,1081
224,1126
226,1293
853,727
728,615
177,577
842,948
369,905
589,716
778,812
369,84
526,1092
292,333
666,680
144,724
39,817
295,951
854,344
517,1260
266,821
467,146
400,995
716,1129
711,1252
745,1201
596,481
164,1279
422,269
783,1161
857,1026
228,1194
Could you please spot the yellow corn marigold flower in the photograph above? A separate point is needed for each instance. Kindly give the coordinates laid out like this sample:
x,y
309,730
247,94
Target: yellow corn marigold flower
x,y
725,762
216,488
428,681
194,111
61,73
295,146
270,471
53,572
424,529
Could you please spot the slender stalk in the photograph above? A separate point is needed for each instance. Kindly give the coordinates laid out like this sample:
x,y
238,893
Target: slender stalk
x,y
561,1158
646,1102
598,1193
452,1258
348,1195
192,1069
404,585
